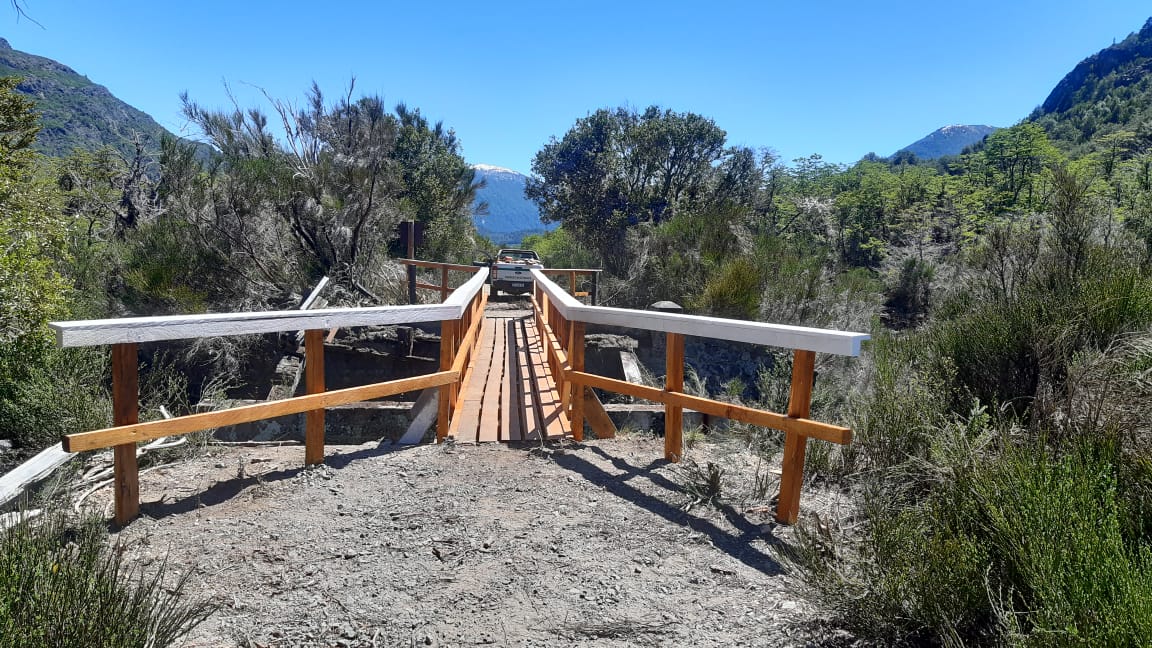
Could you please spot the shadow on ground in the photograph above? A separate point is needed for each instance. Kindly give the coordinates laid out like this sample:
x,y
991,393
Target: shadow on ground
x,y
223,491
739,545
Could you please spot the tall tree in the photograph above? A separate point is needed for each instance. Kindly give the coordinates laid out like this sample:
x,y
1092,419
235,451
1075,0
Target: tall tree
x,y
618,168
32,227
345,175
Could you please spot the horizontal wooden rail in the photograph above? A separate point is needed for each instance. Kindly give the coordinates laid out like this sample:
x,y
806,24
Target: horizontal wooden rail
x,y
762,418
434,264
579,271
779,335
208,420
178,327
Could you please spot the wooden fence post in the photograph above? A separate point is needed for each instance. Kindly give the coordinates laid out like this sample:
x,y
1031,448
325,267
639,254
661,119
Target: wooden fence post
x,y
444,284
411,284
314,384
674,382
792,465
125,411
564,337
576,361
447,356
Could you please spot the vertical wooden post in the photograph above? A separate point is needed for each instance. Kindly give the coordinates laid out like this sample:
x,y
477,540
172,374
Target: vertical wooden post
x,y
565,335
462,325
314,384
792,465
542,321
125,411
674,382
572,283
443,284
447,355
411,284
595,288
576,360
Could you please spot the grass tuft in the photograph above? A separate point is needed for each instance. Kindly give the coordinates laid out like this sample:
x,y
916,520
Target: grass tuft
x,y
62,587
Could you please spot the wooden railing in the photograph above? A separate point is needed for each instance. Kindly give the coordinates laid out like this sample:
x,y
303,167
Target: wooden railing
x,y
574,275
561,320
459,316
443,271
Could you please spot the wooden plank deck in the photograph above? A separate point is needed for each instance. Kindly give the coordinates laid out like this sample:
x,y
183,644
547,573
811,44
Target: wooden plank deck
x,y
509,395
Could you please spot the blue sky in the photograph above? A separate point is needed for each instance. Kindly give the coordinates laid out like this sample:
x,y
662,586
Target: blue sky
x,y
839,78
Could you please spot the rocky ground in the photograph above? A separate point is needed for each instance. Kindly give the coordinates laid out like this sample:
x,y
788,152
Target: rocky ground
x,y
595,544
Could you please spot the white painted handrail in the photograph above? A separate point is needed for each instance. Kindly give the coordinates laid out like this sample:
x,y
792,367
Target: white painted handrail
x,y
176,327
779,335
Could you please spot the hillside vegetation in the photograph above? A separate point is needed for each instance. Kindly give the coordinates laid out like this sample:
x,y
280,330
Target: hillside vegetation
x,y
76,113
1001,470
1105,102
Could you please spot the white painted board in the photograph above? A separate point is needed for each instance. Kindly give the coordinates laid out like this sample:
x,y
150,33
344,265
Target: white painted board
x,y
762,333
32,471
176,327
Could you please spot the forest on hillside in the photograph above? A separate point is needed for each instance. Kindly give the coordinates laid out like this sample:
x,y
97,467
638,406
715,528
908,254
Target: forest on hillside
x,y
1002,461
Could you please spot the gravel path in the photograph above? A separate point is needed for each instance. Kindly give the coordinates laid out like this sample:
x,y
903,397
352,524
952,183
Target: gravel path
x,y
472,545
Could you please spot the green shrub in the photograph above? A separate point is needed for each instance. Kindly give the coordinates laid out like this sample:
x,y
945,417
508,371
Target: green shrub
x,y
559,249
995,349
166,270
51,393
895,415
1015,546
60,587
733,292
1054,527
908,299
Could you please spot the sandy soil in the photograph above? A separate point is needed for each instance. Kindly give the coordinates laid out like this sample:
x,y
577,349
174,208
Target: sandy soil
x,y
473,545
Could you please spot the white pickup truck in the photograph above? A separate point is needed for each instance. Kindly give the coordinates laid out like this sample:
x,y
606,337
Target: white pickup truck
x,y
512,271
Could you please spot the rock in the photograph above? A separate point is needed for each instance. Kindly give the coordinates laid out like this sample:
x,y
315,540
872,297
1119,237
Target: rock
x,y
5,445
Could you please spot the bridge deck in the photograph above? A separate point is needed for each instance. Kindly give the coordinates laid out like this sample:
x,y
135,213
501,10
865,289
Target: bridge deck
x,y
510,394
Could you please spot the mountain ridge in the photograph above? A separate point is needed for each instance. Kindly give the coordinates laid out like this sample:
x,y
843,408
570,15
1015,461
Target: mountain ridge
x,y
1107,92
74,111
1133,54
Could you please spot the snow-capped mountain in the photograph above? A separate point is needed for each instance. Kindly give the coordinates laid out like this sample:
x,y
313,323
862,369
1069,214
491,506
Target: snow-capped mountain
x,y
510,216
950,140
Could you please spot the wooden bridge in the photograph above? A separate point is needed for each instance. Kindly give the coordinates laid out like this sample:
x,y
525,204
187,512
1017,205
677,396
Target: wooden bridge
x,y
501,378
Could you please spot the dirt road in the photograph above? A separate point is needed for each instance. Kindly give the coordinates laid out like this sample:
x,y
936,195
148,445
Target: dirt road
x,y
479,545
